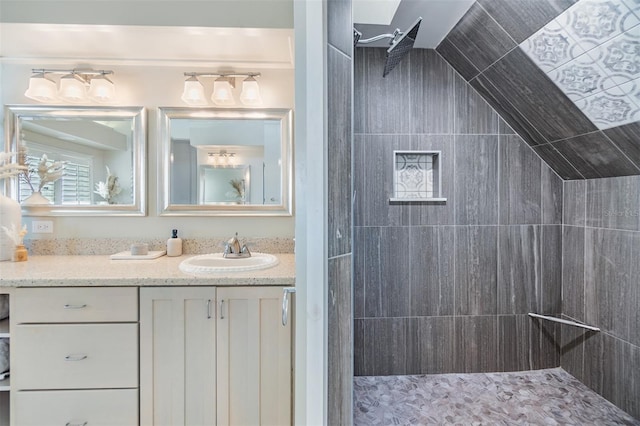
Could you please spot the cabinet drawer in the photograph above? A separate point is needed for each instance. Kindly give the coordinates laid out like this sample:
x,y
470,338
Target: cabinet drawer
x,y
87,407
74,356
78,304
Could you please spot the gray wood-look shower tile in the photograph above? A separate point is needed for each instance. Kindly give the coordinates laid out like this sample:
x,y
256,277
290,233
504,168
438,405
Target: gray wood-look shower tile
x,y
614,203
476,343
476,255
432,254
519,182
592,360
507,111
551,281
633,298
358,154
476,186
440,213
551,196
532,93
359,270
594,156
572,350
504,128
519,268
380,102
385,346
573,272
340,341
574,202
514,343
609,285
339,152
478,37
358,347
430,101
340,25
617,373
523,18
373,163
626,139
430,345
545,345
388,273
632,406
456,59
557,162
473,115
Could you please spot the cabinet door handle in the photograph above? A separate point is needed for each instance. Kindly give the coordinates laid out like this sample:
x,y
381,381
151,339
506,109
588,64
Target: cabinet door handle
x,y
285,303
78,357
209,309
222,309
75,306
76,424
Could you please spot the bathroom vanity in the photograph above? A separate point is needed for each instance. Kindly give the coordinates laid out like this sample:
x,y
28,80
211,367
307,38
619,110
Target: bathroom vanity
x,y
112,342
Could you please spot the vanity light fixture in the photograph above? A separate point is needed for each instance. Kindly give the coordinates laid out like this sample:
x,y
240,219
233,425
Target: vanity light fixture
x,y
76,85
223,86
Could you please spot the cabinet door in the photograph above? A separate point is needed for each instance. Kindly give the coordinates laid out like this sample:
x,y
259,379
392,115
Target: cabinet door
x,y
254,357
177,356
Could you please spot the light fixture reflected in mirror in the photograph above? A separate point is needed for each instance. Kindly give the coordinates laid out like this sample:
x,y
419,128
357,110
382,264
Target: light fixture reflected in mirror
x,y
76,86
223,87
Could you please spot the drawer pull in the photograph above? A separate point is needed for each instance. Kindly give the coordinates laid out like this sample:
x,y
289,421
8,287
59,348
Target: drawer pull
x,y
75,357
75,306
76,424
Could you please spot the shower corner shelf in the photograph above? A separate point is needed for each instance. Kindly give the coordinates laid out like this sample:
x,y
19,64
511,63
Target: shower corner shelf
x,y
417,177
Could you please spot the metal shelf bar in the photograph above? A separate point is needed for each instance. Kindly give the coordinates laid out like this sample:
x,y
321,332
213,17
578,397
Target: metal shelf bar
x,y
564,321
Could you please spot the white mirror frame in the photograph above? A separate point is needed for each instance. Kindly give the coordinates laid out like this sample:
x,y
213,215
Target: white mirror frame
x,y
165,208
13,115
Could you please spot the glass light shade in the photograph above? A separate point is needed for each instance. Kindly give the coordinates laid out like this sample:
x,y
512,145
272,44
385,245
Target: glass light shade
x,y
72,89
41,88
250,92
101,89
193,93
222,92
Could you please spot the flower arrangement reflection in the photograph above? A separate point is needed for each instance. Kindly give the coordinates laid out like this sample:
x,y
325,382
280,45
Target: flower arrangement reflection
x,y
108,189
48,171
8,168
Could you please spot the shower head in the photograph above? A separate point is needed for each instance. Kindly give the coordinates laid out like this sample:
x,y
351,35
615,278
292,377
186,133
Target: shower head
x,y
400,47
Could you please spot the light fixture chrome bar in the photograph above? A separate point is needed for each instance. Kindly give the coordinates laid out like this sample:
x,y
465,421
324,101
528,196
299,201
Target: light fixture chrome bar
x,y
221,74
564,321
71,71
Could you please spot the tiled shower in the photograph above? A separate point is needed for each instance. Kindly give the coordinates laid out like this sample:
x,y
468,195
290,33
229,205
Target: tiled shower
x,y
542,210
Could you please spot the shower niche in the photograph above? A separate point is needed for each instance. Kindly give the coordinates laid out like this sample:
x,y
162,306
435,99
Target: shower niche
x,y
417,177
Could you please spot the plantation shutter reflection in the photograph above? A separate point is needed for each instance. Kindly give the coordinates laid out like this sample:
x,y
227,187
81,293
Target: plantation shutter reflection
x,y
76,184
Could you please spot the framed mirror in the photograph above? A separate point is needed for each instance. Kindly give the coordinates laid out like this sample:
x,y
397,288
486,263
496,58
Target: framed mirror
x,y
82,161
225,162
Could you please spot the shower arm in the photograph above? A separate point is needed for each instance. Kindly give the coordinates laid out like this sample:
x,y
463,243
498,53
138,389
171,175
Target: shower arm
x,y
393,36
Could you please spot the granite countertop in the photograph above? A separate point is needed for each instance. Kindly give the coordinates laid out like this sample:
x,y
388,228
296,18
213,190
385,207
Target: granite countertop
x,y
100,270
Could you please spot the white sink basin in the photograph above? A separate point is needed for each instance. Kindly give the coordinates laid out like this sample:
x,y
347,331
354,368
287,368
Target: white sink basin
x,y
215,263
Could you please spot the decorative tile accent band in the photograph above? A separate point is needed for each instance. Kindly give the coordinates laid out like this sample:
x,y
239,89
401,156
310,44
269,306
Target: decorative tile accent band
x,y
592,53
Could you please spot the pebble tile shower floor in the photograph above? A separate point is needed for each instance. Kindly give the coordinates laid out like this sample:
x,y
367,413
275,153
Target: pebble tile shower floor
x,y
541,397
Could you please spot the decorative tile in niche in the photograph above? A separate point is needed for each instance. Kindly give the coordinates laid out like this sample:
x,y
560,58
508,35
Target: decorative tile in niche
x,y
416,176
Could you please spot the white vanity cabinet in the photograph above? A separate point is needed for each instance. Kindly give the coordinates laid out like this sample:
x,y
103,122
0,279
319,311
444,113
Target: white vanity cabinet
x,y
214,356
75,356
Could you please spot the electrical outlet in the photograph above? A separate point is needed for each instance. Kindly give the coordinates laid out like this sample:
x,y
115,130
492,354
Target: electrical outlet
x,y
42,227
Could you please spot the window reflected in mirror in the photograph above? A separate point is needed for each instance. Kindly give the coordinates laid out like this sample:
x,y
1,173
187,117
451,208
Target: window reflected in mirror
x,y
81,161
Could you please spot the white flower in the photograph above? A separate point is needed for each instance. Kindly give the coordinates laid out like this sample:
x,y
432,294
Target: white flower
x,y
49,171
9,169
109,189
14,234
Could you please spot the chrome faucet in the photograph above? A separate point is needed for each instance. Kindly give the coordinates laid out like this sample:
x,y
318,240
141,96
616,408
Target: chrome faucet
x,y
233,249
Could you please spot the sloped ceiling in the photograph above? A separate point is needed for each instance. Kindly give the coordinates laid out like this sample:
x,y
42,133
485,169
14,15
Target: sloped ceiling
x,y
565,75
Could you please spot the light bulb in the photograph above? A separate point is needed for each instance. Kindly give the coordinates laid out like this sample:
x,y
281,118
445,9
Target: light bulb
x,y
222,92
193,93
250,92
41,88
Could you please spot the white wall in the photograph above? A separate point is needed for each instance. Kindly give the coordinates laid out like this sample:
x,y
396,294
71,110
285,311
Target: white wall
x,y
152,87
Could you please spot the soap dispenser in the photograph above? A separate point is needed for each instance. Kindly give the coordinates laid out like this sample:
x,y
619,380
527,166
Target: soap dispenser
x,y
174,244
